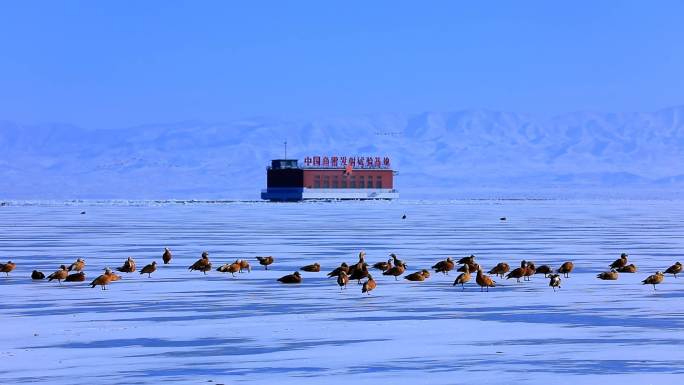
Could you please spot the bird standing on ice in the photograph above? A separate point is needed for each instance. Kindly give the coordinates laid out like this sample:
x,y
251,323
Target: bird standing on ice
x,y
291,278
128,266
79,265
484,281
566,269
149,269
463,278
59,275
369,285
654,279
7,267
674,269
554,281
201,264
166,257
265,261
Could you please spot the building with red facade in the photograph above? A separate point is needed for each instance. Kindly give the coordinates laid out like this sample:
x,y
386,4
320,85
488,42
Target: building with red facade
x,y
330,178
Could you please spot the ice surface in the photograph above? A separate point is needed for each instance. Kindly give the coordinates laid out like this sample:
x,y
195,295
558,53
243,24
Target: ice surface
x,y
184,327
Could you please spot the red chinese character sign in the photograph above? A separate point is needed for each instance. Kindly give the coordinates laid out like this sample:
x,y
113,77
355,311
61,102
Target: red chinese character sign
x,y
343,162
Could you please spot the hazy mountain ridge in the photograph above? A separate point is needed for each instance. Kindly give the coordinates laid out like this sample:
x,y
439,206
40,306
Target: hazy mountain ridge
x,y
436,154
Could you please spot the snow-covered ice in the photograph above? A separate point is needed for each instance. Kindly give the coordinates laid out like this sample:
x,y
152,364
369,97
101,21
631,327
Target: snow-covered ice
x,y
184,327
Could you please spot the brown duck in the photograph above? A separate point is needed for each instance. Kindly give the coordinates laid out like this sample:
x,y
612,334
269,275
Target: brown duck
x,y
291,278
59,275
342,279
484,281
265,261
674,269
343,267
469,266
620,262
359,273
631,268
554,281
467,260
314,268
79,265
231,268
103,280
418,276
396,261
128,266
111,275
383,265
149,269
500,269
201,264
244,265
518,272
544,269
444,266
75,277
369,285
7,267
566,269
166,257
37,275
463,278
654,279
396,271
530,269
611,275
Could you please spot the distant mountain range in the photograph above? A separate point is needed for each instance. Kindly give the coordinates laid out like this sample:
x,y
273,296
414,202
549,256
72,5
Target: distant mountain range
x,y
472,153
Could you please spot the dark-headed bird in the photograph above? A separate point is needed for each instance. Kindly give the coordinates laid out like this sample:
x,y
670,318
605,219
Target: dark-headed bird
x,y
674,269
620,262
395,260
463,278
37,275
342,279
611,275
79,265
149,269
128,266
369,285
314,268
418,276
343,267
484,281
467,260
500,269
291,278
7,267
231,268
654,279
566,269
359,273
75,277
265,261
201,264
396,271
530,269
59,275
631,268
166,257
444,266
469,266
554,281
544,269
518,272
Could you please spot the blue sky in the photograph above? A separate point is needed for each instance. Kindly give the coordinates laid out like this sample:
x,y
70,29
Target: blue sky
x,y
120,63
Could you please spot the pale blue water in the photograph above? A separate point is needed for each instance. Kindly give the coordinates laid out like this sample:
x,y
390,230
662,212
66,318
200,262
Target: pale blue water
x,y
184,327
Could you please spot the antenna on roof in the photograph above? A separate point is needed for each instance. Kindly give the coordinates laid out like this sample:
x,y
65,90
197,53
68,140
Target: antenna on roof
x,y
286,149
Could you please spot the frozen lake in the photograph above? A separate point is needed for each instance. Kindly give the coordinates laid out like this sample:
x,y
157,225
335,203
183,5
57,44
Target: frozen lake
x,y
184,327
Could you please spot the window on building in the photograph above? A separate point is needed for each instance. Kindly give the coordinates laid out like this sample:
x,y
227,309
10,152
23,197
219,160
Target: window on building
x,y
326,181
369,184
335,183
362,181
344,182
352,181
378,182
317,181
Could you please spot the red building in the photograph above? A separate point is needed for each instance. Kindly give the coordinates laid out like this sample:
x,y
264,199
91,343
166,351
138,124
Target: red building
x,y
330,178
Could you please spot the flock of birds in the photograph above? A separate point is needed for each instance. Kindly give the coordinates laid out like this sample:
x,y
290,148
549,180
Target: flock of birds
x,y
359,271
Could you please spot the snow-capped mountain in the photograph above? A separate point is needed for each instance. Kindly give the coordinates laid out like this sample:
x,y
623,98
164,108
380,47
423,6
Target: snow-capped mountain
x,y
472,153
